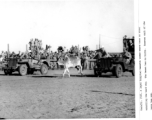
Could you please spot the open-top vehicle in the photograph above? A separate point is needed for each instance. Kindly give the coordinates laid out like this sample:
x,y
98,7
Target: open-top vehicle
x,y
28,62
117,64
25,66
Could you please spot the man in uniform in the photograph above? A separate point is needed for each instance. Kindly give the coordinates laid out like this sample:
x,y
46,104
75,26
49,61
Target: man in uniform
x,y
86,62
100,53
127,55
131,45
104,52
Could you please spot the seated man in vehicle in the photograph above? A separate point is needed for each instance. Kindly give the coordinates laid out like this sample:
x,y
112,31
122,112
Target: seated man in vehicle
x,y
101,53
98,54
104,52
127,55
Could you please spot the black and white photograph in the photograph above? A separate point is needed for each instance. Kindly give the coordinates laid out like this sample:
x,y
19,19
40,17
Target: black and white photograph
x,y
67,59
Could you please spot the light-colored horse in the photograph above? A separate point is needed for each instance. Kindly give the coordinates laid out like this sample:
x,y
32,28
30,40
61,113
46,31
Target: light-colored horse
x,y
69,61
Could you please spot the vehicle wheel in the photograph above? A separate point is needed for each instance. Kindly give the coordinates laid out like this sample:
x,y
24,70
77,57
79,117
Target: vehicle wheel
x,y
44,69
23,69
118,71
95,73
113,71
9,72
30,71
99,73
133,72
5,72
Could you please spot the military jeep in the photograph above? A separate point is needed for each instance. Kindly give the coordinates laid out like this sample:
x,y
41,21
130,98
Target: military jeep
x,y
117,64
25,66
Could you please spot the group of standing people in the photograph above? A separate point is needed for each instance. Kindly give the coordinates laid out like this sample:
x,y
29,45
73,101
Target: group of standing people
x,y
37,52
35,47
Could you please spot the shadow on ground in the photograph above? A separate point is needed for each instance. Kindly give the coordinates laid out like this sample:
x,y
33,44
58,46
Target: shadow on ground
x,y
107,75
112,92
2,118
66,76
10,75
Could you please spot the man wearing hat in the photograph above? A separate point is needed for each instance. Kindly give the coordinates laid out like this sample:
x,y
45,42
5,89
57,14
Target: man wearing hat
x,y
127,55
102,53
98,55
86,62
131,45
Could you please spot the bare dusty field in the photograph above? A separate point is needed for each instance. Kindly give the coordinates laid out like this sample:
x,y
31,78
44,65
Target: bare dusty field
x,y
51,96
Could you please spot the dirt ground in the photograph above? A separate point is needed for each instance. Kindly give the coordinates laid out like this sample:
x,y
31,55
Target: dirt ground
x,y
51,96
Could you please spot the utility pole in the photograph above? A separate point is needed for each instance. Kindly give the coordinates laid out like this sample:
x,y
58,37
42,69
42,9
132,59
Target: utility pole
x,y
97,46
8,50
26,49
99,40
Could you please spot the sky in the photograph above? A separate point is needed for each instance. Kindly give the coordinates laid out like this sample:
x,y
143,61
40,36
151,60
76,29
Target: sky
x,y
66,23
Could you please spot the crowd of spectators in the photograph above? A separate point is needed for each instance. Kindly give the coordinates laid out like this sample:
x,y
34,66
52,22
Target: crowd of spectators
x,y
85,56
37,52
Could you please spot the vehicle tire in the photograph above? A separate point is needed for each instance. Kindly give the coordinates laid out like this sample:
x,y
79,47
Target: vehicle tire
x,y
118,70
99,73
23,69
5,72
95,73
133,72
31,71
44,69
113,71
9,72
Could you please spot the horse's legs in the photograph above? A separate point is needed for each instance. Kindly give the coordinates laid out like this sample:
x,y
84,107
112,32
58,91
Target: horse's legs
x,y
64,72
80,69
68,72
